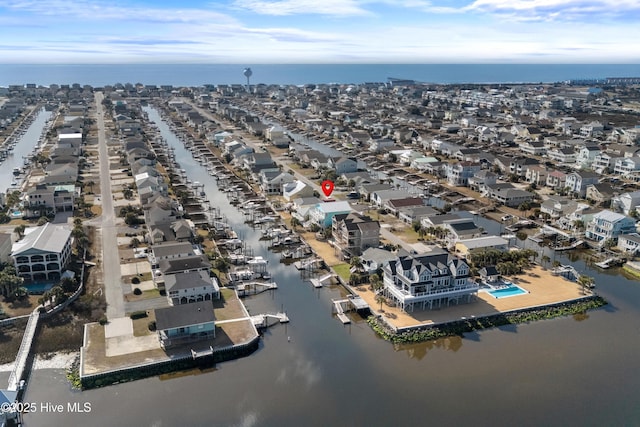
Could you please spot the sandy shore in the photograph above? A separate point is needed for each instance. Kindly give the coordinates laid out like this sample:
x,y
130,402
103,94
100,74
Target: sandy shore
x,y
50,361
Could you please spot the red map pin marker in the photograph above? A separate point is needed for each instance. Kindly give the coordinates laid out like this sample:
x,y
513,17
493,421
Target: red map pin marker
x,y
327,187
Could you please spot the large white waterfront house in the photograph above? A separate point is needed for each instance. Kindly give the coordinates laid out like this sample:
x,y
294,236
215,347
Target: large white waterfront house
x,y
430,280
43,253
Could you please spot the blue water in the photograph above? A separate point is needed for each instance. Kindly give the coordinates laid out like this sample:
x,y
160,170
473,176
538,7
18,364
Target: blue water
x,y
510,291
200,74
39,288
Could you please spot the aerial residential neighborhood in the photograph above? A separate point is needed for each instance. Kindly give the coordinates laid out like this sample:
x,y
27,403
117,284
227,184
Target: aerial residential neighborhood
x,y
443,201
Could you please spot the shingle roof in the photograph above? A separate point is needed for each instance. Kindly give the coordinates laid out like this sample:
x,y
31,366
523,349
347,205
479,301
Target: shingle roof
x,y
184,315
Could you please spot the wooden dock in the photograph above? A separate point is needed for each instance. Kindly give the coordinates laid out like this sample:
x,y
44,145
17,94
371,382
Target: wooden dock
x,y
253,288
320,282
342,306
269,319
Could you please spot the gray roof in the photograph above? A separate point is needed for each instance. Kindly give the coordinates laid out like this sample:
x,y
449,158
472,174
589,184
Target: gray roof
x,y
192,279
633,237
184,315
380,256
169,266
48,238
174,248
441,219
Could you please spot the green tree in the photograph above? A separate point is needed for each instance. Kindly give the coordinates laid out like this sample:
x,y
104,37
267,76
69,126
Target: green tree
x,y
586,282
295,223
9,283
545,259
19,230
356,264
127,193
68,284
376,282
21,293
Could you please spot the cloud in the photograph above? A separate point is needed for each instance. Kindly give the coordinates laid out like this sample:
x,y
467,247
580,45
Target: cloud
x,y
94,10
556,10
310,7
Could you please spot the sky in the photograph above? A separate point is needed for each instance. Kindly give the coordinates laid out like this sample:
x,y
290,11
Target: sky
x,y
320,31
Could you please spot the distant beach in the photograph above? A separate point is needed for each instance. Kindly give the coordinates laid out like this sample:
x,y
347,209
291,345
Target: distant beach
x,y
298,74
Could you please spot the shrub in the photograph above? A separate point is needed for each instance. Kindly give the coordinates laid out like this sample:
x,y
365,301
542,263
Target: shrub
x,y
152,326
135,280
138,315
137,291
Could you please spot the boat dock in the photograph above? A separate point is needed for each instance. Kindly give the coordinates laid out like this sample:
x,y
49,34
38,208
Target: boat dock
x,y
610,262
320,282
252,288
342,306
269,319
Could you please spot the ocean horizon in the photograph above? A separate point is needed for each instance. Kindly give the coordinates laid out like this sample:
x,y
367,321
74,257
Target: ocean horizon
x,y
298,74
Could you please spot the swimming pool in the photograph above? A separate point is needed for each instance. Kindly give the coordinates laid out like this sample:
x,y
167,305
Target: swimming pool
x,y
39,288
510,291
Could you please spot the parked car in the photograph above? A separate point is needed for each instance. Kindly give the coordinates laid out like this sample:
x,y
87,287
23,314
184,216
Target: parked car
x,y
506,217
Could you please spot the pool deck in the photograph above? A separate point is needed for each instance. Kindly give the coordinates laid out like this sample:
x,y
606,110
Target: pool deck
x,y
543,289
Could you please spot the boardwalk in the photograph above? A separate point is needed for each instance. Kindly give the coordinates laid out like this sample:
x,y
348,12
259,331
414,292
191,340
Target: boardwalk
x,y
23,352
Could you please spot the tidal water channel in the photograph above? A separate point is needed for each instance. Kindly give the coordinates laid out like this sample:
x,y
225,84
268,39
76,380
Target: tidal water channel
x,y
568,371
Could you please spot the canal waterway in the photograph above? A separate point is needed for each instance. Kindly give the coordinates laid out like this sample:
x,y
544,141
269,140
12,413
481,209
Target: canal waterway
x,y
317,372
25,145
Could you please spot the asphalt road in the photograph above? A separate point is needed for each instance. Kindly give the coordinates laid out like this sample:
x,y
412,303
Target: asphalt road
x,y
110,257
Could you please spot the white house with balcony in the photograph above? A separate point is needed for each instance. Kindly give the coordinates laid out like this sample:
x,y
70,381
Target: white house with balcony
x,y
626,202
587,156
603,163
458,174
577,182
627,166
629,243
592,129
608,225
427,281
43,253
562,155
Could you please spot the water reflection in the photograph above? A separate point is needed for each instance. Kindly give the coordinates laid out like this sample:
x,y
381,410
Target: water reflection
x,y
301,369
419,350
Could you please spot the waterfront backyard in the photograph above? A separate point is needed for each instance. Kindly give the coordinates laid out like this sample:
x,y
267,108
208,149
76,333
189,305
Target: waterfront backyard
x,y
543,288
123,343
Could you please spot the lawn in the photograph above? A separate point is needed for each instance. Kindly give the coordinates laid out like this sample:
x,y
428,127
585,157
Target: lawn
x,y
342,270
141,326
152,293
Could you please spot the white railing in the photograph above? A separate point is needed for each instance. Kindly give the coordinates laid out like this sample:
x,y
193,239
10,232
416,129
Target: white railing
x,y
23,352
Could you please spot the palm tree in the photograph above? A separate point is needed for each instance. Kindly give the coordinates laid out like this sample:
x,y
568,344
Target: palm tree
x,y
586,282
356,264
380,299
127,193
545,259
19,230
295,222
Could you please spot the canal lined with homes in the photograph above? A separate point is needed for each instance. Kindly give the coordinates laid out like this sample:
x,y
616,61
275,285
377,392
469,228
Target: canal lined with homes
x,y
317,372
